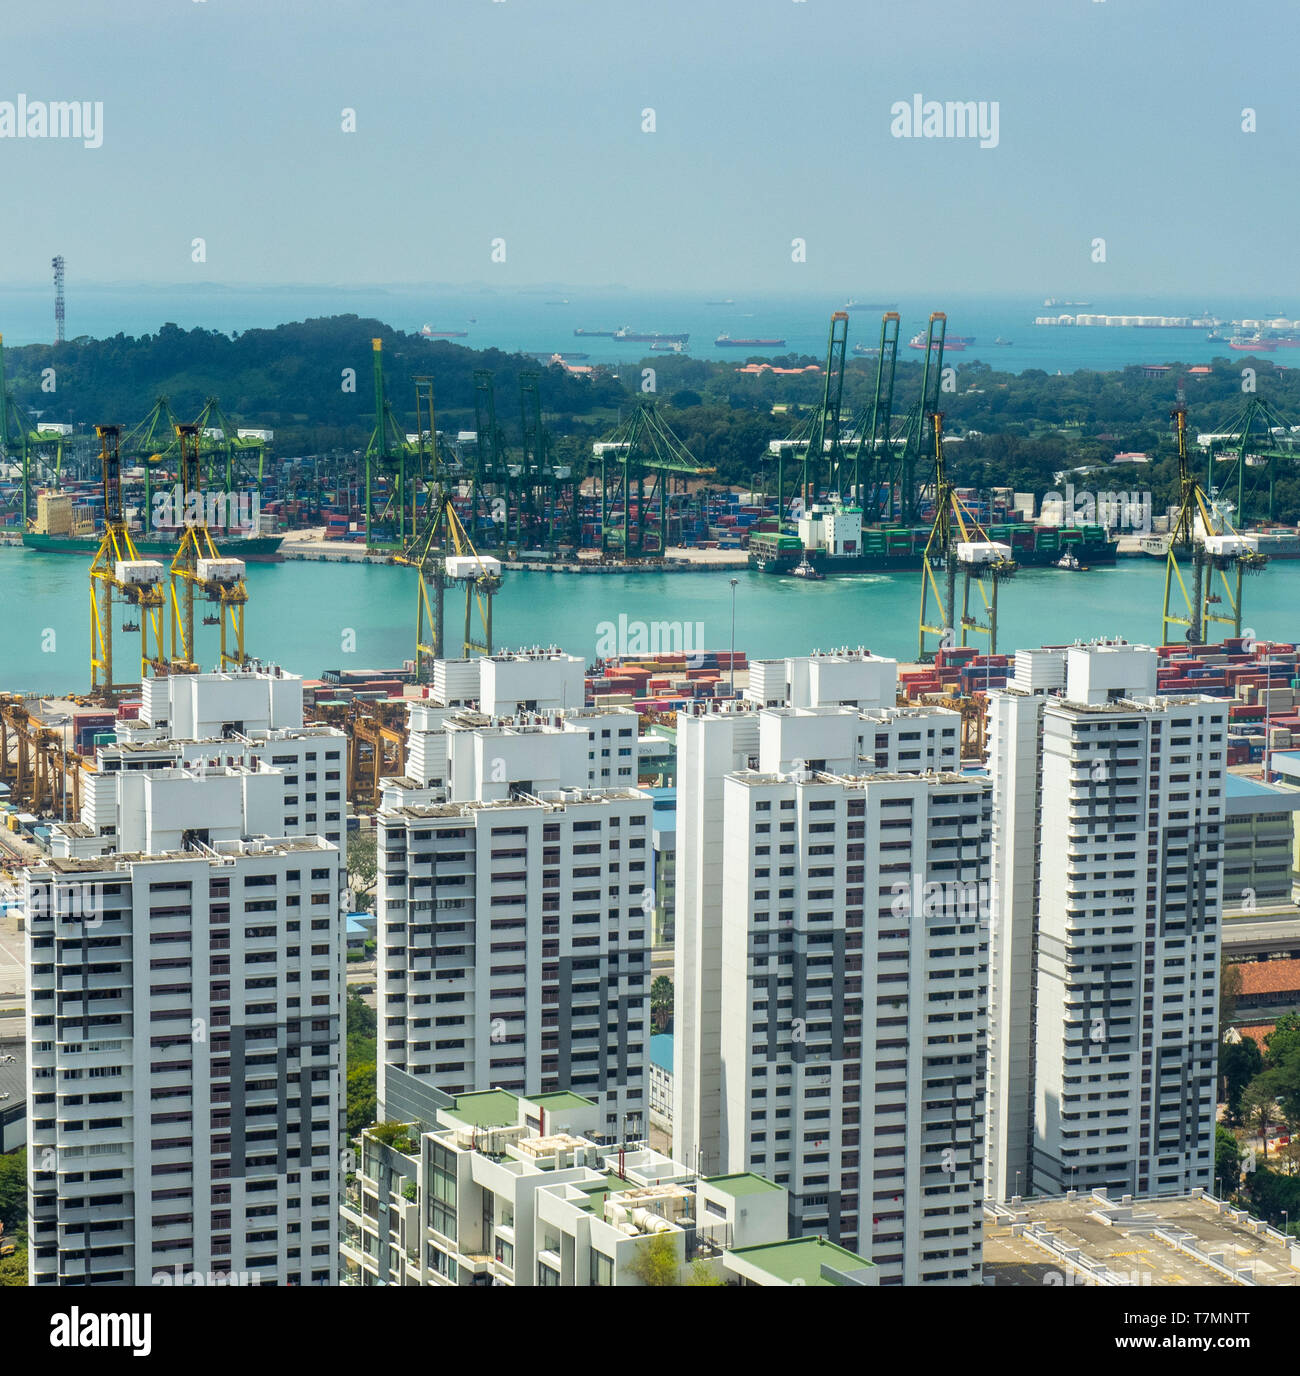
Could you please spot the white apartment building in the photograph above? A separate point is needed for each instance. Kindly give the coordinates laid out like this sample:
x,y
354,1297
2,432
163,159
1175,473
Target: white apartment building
x,y
239,717
495,1189
185,1011
827,1001
853,1008
833,712
513,947
185,1004
1109,814
516,895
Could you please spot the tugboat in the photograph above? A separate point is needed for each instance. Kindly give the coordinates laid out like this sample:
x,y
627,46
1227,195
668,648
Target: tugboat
x,y
1070,561
803,569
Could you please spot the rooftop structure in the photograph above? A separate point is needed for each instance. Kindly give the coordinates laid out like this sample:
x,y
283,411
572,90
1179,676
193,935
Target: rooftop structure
x,y
504,1189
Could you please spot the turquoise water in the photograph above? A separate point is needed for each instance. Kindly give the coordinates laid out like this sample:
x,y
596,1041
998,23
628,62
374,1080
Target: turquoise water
x,y
300,614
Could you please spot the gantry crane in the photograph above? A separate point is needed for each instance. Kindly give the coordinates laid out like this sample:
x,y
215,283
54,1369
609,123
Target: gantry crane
x,y
1250,448
1217,552
117,567
153,444
389,453
821,447
927,404
642,445
242,458
35,449
873,455
544,479
197,565
443,553
41,772
958,543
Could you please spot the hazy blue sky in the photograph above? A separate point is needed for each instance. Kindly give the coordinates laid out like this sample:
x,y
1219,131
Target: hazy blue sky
x,y
522,119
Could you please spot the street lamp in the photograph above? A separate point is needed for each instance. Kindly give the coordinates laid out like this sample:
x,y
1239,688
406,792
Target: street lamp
x,y
734,582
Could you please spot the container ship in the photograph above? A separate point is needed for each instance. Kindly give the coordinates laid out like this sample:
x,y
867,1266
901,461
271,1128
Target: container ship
x,y
61,529
831,539
654,337
253,549
953,342
725,341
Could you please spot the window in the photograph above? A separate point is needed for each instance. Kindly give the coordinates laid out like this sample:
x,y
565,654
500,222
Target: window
x,y
442,1193
602,1268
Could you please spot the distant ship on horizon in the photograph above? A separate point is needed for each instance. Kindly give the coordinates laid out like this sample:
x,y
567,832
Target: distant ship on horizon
x,y
725,341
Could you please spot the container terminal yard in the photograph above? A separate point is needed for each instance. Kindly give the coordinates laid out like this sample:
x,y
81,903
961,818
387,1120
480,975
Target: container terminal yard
x,y
841,492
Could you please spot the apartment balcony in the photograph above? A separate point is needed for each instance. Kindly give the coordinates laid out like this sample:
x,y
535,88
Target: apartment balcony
x,y
72,981
121,1214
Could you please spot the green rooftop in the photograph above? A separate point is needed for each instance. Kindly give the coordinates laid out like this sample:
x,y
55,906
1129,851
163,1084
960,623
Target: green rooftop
x,y
800,1260
560,1099
489,1108
743,1183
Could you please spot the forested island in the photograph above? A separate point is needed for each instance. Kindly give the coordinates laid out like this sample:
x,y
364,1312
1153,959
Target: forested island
x,y
312,383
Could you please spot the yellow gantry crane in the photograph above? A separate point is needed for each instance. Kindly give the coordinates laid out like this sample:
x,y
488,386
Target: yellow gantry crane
x,y
198,565
958,541
1217,552
443,553
118,568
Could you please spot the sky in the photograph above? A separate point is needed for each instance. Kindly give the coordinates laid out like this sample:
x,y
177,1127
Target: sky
x,y
480,121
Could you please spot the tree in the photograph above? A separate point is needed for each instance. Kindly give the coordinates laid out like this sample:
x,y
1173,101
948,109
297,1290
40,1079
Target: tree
x,y
655,1260
361,1052
1227,1163
1272,1195
661,1000
1239,1063
1284,1038
13,1270
13,1190
396,1135
1259,1106
701,1273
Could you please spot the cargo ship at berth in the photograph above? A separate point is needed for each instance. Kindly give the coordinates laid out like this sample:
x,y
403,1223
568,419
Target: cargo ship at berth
x,y
831,539
253,549
725,341
61,528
